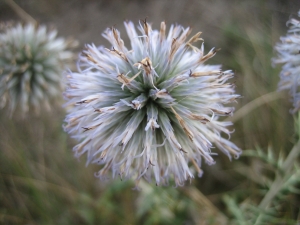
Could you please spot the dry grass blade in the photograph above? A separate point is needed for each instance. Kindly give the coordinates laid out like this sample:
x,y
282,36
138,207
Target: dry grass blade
x,y
262,100
21,13
207,207
40,184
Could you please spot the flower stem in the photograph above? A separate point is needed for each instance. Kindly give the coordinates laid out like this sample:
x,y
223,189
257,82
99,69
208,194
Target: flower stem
x,y
21,13
250,106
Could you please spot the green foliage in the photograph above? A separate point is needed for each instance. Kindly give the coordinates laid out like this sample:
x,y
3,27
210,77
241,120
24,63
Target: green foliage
x,y
276,195
277,201
163,205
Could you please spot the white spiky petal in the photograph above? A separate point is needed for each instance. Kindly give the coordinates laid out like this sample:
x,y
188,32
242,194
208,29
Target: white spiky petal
x,y
151,110
289,55
31,64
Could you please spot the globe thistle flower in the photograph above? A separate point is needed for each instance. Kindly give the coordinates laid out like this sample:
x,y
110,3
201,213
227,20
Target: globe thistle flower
x,y
30,67
150,110
289,55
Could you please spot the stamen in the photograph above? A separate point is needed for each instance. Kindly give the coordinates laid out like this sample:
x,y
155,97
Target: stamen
x,y
91,128
183,125
206,73
209,55
126,81
116,52
91,59
197,117
162,31
85,101
146,27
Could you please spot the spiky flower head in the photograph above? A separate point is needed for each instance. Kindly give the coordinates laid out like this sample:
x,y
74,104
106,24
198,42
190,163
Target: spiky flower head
x,y
289,55
151,110
31,64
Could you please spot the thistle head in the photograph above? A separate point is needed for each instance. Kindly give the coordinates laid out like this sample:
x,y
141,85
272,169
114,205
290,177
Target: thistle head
x,y
31,64
288,51
150,110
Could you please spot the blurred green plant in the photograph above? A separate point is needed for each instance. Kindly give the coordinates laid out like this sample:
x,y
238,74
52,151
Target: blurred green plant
x,y
165,205
278,185
252,41
268,191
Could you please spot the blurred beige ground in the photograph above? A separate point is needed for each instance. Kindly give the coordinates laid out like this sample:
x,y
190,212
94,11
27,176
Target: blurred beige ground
x,y
87,19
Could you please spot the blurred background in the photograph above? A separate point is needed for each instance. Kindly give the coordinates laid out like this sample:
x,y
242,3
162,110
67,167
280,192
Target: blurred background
x,y
41,182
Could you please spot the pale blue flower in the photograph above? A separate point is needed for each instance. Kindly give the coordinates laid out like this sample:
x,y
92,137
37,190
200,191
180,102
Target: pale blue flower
x,y
31,64
289,55
151,110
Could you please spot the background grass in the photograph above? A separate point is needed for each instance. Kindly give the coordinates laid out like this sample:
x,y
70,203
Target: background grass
x,y
42,183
